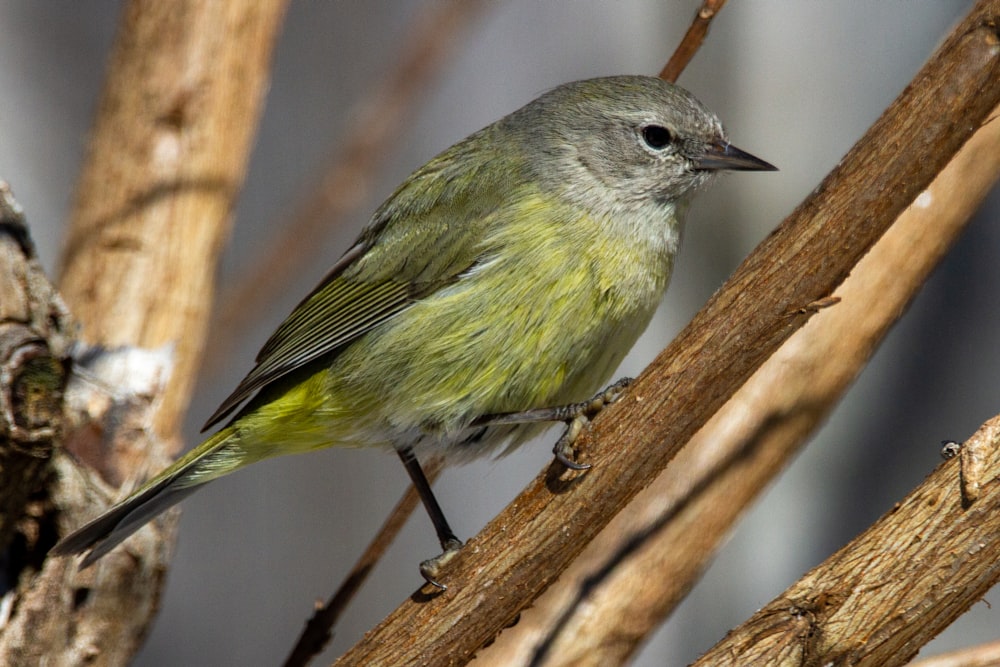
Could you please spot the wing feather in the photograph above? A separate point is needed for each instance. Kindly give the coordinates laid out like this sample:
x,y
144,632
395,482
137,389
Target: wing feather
x,y
449,203
332,317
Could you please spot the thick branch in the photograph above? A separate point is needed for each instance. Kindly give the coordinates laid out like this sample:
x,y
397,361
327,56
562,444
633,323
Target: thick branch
x,y
891,590
529,544
34,346
647,559
166,159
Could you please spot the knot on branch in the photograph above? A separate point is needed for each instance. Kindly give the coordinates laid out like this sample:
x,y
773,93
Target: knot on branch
x,y
31,385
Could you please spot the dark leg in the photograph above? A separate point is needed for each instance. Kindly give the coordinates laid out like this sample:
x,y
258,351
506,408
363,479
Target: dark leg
x,y
449,543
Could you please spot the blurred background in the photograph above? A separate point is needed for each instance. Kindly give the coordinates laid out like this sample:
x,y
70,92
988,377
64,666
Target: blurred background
x,y
795,83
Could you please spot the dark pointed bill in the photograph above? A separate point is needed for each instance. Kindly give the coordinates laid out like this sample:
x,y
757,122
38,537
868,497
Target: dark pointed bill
x,y
721,155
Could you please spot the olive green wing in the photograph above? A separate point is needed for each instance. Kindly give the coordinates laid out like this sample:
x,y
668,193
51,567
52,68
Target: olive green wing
x,y
422,239
337,312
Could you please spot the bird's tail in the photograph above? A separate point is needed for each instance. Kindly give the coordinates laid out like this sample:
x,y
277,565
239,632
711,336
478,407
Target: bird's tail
x,y
206,462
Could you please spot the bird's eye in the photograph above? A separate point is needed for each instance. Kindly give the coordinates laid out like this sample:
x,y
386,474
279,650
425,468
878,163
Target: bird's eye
x,y
656,137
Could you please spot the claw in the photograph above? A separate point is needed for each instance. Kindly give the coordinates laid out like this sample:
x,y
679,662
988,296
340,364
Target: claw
x,y
563,448
430,569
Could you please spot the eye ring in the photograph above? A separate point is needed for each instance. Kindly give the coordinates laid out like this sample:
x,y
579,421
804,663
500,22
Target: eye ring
x,y
656,137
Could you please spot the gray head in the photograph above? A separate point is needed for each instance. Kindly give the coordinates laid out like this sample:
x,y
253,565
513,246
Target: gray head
x,y
638,138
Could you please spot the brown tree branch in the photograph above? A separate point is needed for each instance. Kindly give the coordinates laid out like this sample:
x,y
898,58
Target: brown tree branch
x,y
35,330
529,544
165,160
895,587
319,629
649,556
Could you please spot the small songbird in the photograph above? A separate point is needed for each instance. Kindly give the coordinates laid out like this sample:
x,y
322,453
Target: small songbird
x,y
505,278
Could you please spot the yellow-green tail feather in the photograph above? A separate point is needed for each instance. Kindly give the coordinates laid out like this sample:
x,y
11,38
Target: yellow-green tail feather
x,y
177,482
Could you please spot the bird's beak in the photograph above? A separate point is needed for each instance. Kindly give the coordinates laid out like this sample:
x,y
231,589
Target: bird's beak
x,y
722,155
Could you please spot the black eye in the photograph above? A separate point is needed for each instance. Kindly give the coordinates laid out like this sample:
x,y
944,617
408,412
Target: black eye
x,y
656,137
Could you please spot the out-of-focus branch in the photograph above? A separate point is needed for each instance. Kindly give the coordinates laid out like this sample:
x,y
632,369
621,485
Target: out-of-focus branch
x,y
895,587
378,120
692,40
647,559
319,629
533,540
984,655
165,160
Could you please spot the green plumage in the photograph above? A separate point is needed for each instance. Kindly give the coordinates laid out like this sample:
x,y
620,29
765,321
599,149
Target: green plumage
x,y
513,271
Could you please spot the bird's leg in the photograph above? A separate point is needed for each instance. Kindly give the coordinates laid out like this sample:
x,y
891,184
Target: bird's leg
x,y
450,544
576,416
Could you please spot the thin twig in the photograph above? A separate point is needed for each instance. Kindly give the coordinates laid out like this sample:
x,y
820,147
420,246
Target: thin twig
x,y
319,629
692,40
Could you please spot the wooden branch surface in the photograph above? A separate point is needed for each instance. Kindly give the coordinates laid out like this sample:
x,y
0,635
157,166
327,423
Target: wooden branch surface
x,y
692,40
642,565
529,544
35,330
894,588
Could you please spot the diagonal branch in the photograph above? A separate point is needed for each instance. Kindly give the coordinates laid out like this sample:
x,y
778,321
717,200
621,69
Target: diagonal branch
x,y
529,544
984,655
643,564
892,589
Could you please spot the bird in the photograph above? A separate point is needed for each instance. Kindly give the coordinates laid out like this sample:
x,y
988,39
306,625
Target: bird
x,y
494,292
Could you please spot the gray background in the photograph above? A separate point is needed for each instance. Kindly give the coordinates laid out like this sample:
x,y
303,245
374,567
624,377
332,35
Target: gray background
x,y
795,83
